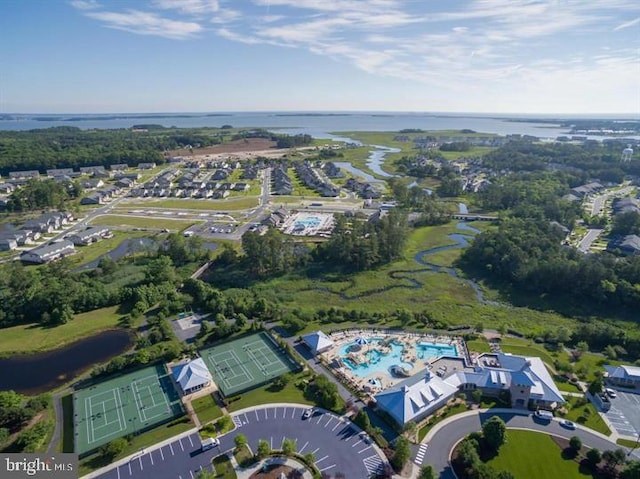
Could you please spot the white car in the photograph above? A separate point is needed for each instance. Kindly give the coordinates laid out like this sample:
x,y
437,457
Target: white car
x,y
611,392
307,414
210,443
567,424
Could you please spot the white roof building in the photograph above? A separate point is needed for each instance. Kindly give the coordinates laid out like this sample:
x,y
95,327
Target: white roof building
x,y
526,379
628,376
318,342
192,375
416,397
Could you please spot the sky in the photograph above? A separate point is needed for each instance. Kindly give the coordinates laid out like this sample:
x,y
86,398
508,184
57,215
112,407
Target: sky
x,y
484,56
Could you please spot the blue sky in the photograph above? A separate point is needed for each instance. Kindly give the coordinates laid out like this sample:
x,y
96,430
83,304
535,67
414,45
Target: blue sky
x,y
502,56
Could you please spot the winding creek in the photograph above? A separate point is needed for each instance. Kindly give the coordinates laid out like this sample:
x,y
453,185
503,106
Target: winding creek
x,y
36,373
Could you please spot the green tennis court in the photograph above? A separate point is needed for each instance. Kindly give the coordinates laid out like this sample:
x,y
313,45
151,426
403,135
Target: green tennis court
x,y
246,363
124,405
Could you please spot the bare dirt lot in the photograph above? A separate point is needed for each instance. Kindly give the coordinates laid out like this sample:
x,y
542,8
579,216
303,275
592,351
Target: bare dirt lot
x,y
238,146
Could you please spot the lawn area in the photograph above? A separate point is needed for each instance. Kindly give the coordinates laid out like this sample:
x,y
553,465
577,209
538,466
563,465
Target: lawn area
x,y
448,412
525,347
223,467
627,443
86,254
206,408
96,461
267,394
479,345
244,456
516,457
143,222
586,415
31,338
238,203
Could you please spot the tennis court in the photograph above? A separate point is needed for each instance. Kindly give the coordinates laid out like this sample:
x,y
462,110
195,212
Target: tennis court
x,y
124,405
246,363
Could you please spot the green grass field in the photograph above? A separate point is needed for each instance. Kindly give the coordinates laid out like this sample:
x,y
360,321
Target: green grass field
x,y
586,415
223,467
518,457
206,408
143,222
237,203
31,338
267,395
86,254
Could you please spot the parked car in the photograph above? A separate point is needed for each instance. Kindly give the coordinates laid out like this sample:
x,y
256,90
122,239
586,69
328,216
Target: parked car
x,y
307,414
543,415
567,424
611,392
209,443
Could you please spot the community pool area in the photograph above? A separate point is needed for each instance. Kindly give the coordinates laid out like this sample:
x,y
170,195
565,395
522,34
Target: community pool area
x,y
309,224
426,350
373,361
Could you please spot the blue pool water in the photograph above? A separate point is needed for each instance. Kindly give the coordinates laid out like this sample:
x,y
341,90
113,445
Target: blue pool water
x,y
312,221
428,350
378,363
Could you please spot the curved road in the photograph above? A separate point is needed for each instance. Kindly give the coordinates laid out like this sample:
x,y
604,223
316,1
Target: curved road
x,y
441,440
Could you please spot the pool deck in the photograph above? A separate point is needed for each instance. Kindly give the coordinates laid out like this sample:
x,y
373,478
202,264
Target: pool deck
x,y
409,341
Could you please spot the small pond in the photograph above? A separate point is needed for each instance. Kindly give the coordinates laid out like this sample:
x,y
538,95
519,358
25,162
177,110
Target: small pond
x,y
36,373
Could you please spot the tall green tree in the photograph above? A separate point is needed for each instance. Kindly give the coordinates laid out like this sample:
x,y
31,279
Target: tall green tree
x,y
494,432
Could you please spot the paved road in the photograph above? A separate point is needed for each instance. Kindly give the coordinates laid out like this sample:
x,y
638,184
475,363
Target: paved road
x,y
442,441
590,237
335,443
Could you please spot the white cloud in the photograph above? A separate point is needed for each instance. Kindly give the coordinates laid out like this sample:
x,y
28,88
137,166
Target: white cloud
x,y
191,7
145,23
84,4
631,23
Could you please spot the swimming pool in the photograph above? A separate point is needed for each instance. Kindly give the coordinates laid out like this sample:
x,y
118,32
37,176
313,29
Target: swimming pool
x,y
376,361
435,350
307,222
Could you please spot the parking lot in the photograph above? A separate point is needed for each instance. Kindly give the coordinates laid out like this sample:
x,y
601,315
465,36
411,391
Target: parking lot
x,y
335,443
624,414
337,446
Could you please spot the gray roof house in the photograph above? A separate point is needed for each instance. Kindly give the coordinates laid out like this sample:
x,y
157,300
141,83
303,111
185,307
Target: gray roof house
x,y
628,245
93,234
49,252
24,175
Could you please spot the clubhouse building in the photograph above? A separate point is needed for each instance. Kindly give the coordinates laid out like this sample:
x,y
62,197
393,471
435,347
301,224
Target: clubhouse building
x,y
192,376
525,379
623,376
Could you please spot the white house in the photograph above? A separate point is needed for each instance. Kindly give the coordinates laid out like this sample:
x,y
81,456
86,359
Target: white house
x,y
192,375
625,376
318,342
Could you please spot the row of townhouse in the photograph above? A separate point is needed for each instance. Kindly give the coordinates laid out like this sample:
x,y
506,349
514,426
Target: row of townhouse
x,y
32,230
102,196
281,181
313,178
363,189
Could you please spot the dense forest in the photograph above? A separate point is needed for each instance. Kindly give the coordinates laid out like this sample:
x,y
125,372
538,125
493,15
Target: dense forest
x,y
71,147
592,160
526,254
